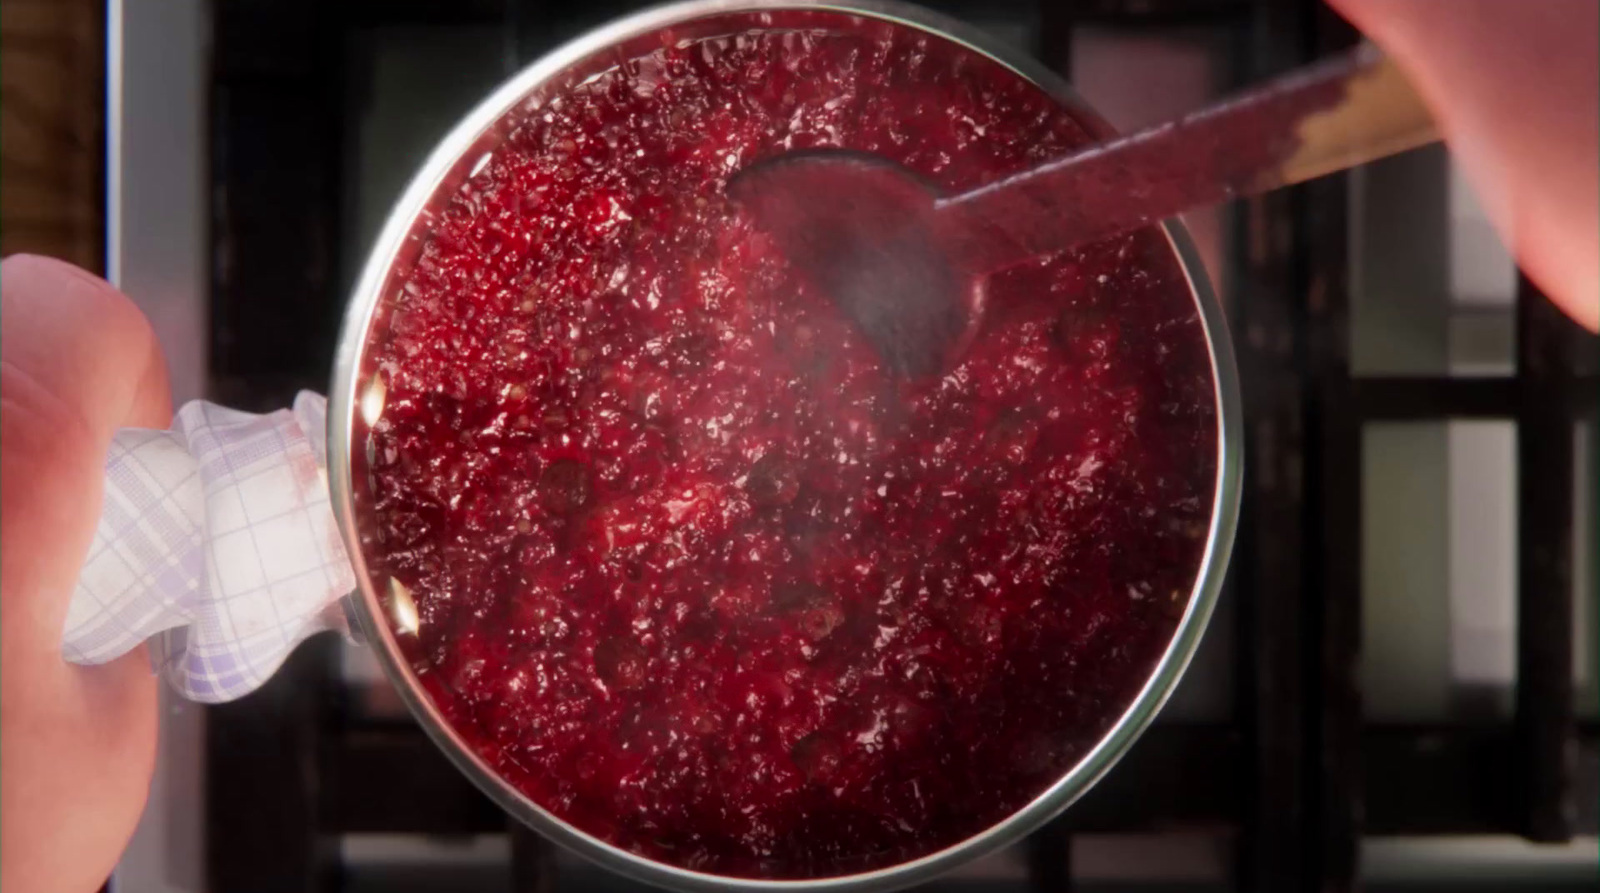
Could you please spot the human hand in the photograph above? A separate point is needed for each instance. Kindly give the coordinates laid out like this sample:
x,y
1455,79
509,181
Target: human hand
x,y
77,744
1515,87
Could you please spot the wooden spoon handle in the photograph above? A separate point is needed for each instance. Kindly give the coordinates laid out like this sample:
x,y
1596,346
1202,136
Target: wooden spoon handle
x,y
1314,121
1380,115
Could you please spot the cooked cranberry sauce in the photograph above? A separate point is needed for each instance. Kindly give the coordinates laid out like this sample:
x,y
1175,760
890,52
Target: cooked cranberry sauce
x,y
693,570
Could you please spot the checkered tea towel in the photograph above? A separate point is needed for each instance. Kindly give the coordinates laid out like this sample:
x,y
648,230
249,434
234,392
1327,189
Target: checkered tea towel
x,y
217,545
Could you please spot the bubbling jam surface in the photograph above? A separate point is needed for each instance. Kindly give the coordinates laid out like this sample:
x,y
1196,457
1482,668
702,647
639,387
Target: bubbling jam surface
x,y
692,569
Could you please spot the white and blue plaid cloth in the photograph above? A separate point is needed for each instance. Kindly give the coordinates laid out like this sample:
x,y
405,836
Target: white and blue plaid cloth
x,y
217,545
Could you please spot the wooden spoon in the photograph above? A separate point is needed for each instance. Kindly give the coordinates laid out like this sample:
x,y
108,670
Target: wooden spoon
x,y
905,262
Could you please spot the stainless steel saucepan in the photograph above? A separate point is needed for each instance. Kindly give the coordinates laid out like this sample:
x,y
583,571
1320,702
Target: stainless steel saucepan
x,y
356,402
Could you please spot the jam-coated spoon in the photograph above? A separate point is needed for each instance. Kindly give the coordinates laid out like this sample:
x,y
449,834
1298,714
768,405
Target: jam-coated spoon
x,y
906,263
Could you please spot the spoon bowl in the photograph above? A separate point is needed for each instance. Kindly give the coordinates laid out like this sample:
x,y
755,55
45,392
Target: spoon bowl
x,y
865,231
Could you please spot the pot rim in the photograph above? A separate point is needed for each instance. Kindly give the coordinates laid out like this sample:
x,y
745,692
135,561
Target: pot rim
x,y
347,388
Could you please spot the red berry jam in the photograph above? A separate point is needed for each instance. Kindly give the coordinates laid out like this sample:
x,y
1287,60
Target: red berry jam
x,y
693,570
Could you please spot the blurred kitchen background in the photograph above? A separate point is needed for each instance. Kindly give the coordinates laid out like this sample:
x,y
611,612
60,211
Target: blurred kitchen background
x,y
1398,692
